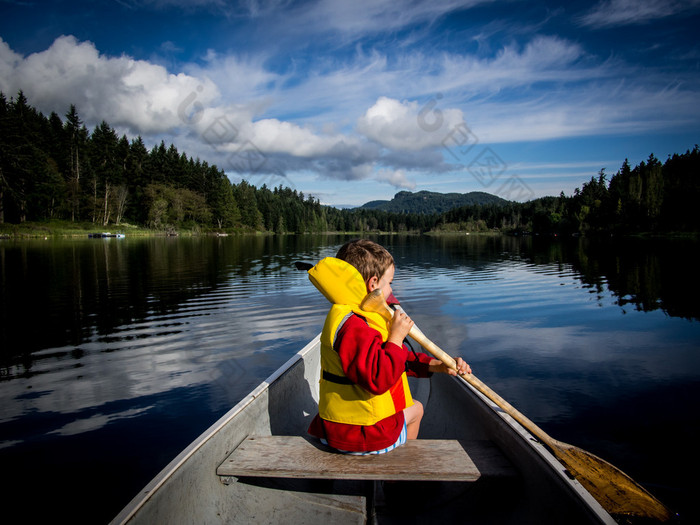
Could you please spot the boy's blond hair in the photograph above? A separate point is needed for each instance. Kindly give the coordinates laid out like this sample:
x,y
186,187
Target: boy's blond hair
x,y
367,256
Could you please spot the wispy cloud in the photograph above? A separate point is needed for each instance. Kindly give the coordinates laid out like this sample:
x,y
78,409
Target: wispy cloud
x,y
180,4
361,18
613,13
547,166
369,111
495,96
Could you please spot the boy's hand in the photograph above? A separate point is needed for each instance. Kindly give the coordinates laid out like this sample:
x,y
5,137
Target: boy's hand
x,y
401,324
438,366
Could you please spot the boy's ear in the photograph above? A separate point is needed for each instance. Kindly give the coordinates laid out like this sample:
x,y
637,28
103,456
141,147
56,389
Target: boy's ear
x,y
373,283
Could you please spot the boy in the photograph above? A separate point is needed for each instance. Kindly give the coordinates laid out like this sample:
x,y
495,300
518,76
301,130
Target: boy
x,y
365,405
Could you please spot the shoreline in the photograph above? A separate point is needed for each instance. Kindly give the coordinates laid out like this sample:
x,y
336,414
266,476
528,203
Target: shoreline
x,y
68,230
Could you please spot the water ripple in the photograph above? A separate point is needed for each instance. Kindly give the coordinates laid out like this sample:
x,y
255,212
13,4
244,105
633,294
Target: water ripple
x,y
162,342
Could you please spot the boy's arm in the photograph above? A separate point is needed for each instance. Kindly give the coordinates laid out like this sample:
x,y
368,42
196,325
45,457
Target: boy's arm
x,y
418,364
462,366
366,361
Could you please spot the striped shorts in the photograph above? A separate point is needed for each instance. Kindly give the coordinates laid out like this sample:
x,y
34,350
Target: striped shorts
x,y
400,441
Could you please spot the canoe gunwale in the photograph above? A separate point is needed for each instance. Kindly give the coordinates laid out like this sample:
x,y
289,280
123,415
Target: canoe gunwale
x,y
162,477
544,453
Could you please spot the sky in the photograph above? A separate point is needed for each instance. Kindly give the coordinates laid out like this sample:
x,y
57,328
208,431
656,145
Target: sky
x,y
353,101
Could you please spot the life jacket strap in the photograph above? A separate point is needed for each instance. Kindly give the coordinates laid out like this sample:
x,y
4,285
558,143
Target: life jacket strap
x,y
340,380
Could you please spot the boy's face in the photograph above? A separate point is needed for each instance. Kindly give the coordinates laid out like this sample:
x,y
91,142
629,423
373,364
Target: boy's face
x,y
383,282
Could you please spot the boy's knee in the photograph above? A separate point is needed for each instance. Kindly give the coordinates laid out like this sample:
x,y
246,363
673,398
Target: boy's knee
x,y
419,408
414,413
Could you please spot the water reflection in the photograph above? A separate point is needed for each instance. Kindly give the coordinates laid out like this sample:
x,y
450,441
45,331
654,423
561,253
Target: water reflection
x,y
62,293
114,321
644,274
135,346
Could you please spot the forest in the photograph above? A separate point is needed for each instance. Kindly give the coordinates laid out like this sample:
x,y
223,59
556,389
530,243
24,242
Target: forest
x,y
54,169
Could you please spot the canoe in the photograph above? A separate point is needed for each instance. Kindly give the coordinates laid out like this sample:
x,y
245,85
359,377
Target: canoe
x,y
472,462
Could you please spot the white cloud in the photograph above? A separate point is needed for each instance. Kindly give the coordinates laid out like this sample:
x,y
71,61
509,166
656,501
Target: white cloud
x,y
274,137
397,178
368,116
612,13
406,125
132,94
8,61
143,98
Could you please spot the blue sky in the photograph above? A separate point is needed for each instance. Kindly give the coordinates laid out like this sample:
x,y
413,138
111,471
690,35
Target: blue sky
x,y
352,101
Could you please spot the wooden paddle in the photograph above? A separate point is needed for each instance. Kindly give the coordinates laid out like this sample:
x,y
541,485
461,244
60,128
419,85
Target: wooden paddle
x,y
616,492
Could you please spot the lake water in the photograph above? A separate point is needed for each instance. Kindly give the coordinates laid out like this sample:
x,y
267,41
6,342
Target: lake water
x,y
116,353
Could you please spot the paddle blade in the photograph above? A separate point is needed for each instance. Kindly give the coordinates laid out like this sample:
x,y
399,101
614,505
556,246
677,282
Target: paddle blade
x,y
302,266
617,493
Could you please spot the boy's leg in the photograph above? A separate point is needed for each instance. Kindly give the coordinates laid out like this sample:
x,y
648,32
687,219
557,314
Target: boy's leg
x,y
413,416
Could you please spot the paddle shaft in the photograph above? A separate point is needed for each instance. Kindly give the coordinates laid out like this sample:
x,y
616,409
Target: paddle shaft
x,y
614,490
583,465
417,335
443,356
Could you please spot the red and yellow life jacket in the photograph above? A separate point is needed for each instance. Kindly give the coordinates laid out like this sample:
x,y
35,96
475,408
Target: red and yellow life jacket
x,y
341,400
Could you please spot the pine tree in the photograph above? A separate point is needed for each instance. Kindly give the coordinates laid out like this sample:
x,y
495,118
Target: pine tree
x,y
76,134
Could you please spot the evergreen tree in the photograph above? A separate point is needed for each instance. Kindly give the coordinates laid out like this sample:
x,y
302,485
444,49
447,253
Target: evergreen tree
x,y
4,153
251,217
223,204
24,160
53,169
76,136
137,178
105,174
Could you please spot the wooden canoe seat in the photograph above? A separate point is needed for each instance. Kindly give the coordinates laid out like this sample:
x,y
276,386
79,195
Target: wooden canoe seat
x,y
420,459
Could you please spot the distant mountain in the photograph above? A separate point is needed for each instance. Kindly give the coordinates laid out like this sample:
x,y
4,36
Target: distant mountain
x,y
432,202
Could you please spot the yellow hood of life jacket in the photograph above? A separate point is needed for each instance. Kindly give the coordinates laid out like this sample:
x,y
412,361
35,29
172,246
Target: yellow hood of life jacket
x,y
346,402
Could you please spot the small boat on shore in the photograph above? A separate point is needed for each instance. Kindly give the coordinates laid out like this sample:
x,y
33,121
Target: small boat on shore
x,y
472,463
106,235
